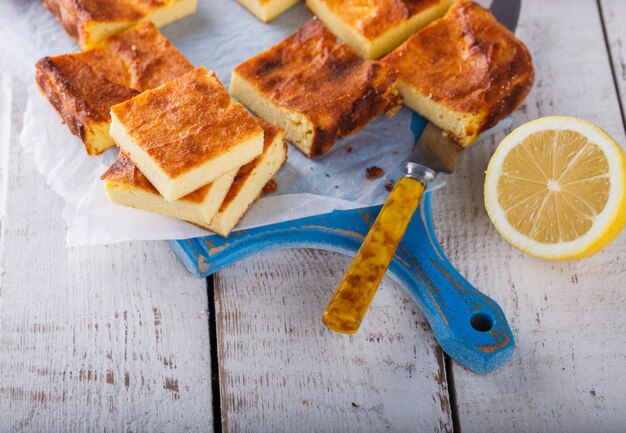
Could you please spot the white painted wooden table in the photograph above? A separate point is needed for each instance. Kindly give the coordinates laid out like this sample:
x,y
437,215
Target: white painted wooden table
x,y
120,338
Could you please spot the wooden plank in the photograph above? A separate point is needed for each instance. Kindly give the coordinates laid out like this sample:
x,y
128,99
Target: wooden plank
x,y
6,115
281,369
111,338
569,370
614,15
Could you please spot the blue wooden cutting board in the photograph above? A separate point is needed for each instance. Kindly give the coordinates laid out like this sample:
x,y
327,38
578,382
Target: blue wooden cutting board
x,y
470,327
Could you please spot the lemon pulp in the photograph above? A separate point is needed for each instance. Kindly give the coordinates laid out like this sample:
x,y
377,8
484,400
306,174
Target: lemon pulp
x,y
556,188
553,185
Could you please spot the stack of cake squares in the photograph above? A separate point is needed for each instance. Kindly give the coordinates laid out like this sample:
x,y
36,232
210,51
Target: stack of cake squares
x,y
188,150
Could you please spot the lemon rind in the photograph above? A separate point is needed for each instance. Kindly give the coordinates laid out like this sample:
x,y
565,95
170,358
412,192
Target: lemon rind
x,y
608,223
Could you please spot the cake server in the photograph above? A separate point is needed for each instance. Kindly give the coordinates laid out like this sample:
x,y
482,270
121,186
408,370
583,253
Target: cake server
x,y
435,152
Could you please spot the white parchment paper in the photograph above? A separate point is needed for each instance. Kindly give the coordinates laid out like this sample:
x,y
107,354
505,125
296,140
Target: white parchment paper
x,y
219,36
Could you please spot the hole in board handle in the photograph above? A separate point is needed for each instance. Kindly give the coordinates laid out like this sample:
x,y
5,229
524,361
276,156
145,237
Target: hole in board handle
x,y
481,322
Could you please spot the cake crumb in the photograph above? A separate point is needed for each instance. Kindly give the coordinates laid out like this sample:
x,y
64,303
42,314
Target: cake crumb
x,y
389,185
374,172
349,149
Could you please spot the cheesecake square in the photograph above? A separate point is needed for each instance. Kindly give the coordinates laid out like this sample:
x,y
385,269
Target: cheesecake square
x,y
186,133
267,10
82,98
464,72
374,28
140,58
127,186
251,180
315,88
82,87
91,21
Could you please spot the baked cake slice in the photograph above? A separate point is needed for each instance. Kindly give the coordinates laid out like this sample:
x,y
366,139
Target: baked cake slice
x,y
267,10
82,98
140,58
186,133
373,28
464,72
82,87
127,186
315,88
251,180
91,21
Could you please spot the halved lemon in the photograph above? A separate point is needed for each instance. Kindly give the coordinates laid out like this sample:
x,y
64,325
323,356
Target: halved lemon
x,y
556,188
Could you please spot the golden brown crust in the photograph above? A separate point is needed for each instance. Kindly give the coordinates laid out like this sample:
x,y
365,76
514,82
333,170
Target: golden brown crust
x,y
378,16
75,15
467,62
77,93
311,73
104,10
186,122
125,172
83,87
270,133
140,58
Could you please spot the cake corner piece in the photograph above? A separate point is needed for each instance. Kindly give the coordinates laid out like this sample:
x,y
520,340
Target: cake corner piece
x,y
83,108
374,29
89,23
267,10
463,104
186,133
173,11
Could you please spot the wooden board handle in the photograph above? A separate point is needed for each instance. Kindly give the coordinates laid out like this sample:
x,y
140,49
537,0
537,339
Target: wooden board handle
x,y
348,306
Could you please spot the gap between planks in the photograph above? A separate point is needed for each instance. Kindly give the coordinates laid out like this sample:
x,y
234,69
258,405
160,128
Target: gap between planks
x,y
612,62
215,367
454,408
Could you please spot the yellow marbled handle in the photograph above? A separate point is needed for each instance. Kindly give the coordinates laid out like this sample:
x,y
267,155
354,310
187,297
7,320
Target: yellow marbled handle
x,y
348,306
